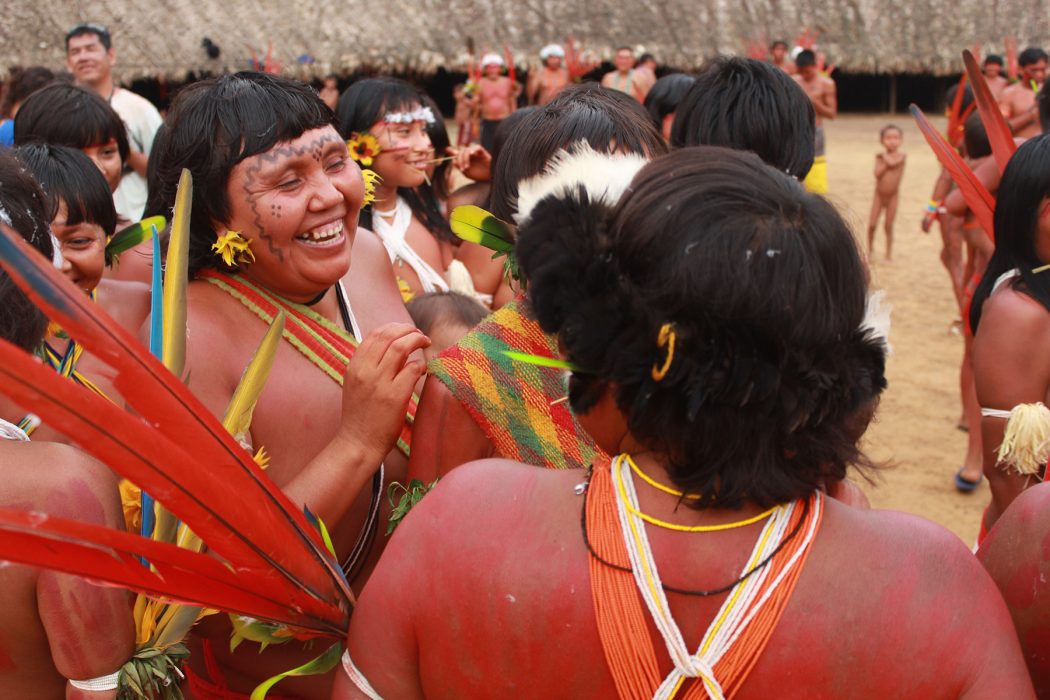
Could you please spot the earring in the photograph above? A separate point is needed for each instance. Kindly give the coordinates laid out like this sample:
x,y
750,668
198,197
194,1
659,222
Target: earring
x,y
233,249
665,338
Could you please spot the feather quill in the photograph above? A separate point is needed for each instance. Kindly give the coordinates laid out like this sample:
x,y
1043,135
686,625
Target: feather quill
x,y
978,198
111,556
475,225
139,232
1000,137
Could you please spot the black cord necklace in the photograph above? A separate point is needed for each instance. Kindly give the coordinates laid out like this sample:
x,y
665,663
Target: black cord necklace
x,y
684,591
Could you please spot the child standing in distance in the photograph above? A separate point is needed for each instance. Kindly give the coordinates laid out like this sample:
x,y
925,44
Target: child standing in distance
x,y
889,168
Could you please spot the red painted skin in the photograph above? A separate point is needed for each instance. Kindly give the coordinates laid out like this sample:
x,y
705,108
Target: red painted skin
x,y
315,432
54,626
886,606
1017,555
444,435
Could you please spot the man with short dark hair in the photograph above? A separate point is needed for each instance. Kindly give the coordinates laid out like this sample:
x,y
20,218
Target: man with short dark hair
x,y
626,78
1018,100
778,56
821,91
993,74
90,57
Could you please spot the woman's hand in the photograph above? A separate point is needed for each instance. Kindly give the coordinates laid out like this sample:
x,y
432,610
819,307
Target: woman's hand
x,y
377,387
473,161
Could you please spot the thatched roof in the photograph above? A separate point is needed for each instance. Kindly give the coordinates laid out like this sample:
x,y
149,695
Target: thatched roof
x,y
314,37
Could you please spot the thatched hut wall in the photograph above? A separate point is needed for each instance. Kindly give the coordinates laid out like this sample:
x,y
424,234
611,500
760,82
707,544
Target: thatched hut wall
x,y
314,37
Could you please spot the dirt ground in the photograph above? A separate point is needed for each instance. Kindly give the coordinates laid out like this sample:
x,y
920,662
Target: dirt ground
x,y
915,429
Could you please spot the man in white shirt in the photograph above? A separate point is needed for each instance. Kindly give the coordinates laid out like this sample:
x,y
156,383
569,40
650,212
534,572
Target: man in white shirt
x,y
90,57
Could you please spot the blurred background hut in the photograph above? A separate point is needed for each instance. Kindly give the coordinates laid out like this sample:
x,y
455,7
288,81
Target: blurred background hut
x,y
871,42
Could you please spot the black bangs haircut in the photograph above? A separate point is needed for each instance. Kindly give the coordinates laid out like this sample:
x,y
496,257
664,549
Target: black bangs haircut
x,y
1026,181
665,96
366,102
215,124
23,207
67,174
748,105
606,119
1033,54
69,115
765,290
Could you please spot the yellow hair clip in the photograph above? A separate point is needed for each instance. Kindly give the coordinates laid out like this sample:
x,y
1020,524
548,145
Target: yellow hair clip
x,y
233,249
665,338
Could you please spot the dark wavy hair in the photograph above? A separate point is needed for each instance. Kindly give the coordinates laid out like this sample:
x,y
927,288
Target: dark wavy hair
x,y
665,96
766,292
69,115
1026,181
215,124
748,105
25,208
606,119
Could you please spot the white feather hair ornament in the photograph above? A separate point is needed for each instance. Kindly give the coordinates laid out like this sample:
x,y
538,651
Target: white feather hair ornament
x,y
605,176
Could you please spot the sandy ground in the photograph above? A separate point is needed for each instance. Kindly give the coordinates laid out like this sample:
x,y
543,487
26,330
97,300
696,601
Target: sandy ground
x,y
915,430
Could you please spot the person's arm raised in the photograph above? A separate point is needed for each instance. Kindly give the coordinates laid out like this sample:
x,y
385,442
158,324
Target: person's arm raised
x,y
377,386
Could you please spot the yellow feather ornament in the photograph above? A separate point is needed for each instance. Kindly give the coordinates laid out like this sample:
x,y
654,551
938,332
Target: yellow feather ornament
x,y
1026,440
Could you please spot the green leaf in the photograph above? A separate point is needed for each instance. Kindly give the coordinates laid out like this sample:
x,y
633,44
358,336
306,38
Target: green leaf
x,y
410,496
322,664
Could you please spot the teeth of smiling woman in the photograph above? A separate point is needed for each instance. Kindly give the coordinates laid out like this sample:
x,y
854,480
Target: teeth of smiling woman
x,y
324,234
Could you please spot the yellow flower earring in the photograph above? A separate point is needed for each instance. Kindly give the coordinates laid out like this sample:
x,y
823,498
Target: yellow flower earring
x,y
233,249
371,179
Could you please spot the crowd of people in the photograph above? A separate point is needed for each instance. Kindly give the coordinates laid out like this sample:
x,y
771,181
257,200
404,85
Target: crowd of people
x,y
614,459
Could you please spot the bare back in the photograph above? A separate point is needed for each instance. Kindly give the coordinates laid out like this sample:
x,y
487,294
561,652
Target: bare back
x,y
875,612
54,626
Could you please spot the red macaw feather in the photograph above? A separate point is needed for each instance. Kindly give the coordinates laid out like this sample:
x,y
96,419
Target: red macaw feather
x,y
978,198
1012,66
1000,137
111,556
955,120
137,451
276,530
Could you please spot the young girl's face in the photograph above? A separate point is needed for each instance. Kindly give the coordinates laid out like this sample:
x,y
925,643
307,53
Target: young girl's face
x,y
83,249
404,149
107,157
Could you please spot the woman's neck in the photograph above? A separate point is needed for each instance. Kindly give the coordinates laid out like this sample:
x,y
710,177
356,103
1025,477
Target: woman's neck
x,y
386,199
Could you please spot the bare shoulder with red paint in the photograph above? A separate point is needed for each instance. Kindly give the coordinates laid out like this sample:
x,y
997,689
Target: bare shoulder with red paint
x,y
891,605
444,435
506,568
1016,554
56,626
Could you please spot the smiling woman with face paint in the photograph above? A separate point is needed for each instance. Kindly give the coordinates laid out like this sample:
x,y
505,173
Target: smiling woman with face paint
x,y
273,229
389,115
